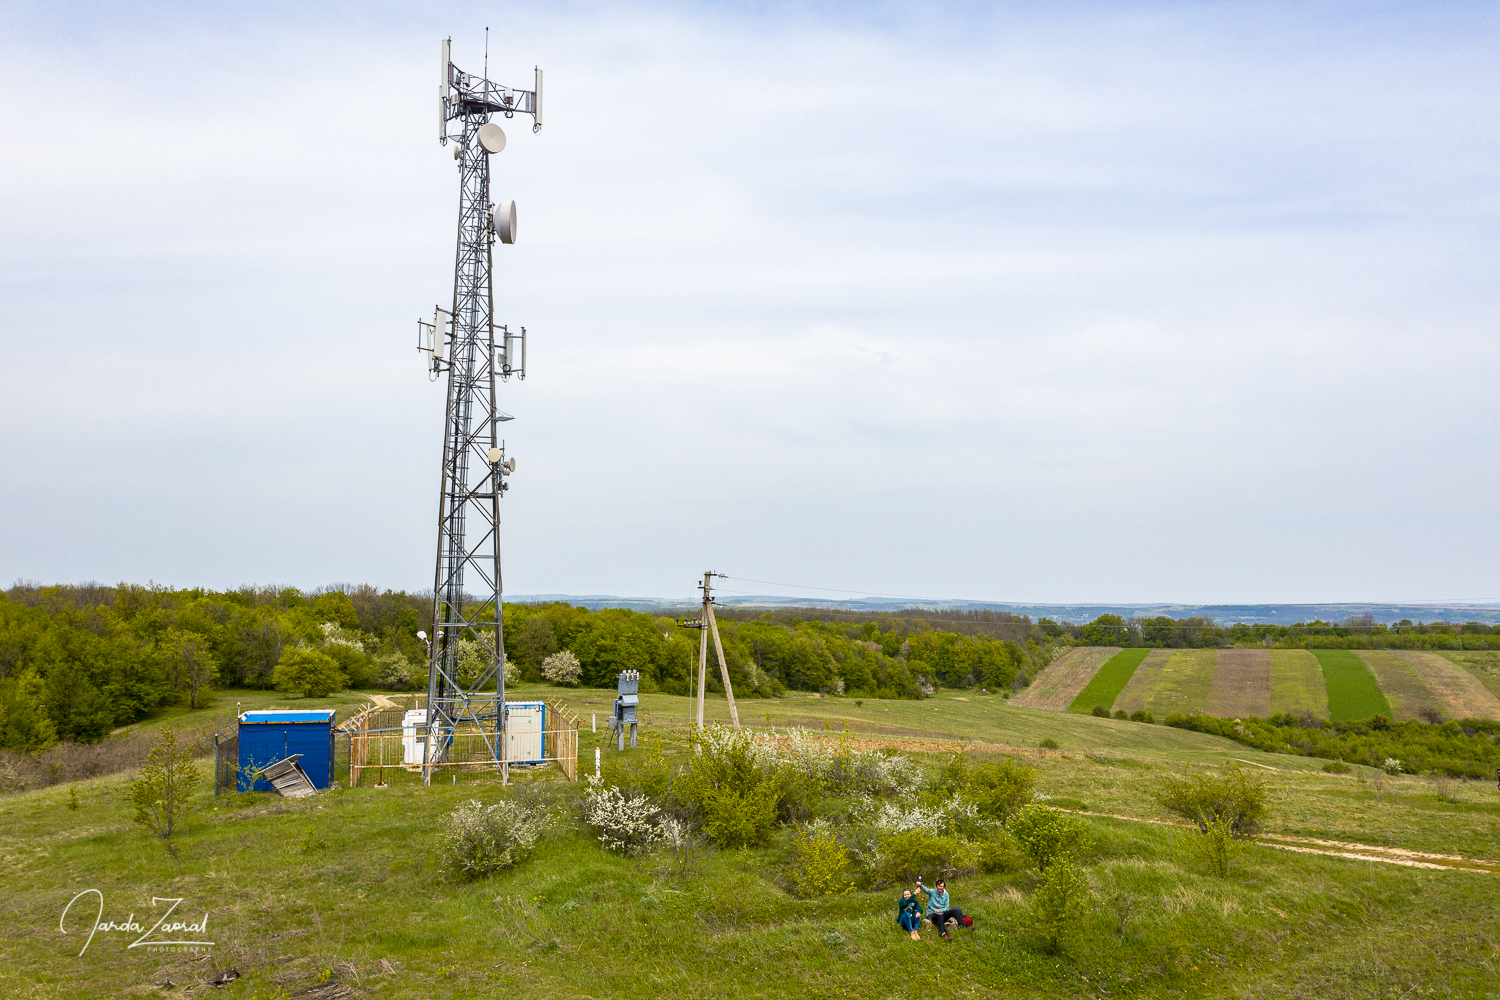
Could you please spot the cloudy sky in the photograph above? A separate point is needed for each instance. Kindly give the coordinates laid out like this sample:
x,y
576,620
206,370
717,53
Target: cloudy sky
x,y
1047,302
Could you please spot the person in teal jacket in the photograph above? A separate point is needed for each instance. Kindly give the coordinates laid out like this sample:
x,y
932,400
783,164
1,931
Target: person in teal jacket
x,y
939,911
909,913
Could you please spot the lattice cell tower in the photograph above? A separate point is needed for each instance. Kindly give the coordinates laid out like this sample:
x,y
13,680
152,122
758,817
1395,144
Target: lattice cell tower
x,y
465,720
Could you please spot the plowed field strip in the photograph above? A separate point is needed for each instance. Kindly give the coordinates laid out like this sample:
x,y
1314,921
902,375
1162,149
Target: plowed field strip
x,y
1056,687
1352,691
1241,684
1403,688
1297,683
1109,681
1133,698
1460,692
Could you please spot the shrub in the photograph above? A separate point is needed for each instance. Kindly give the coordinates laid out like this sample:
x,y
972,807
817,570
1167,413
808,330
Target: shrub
x,y
308,672
562,668
625,824
1120,713
1336,767
820,863
1000,855
1234,795
1141,715
1048,835
733,785
1215,847
478,840
900,857
996,787
1391,766
392,672
1060,898
163,792
1101,711
1048,744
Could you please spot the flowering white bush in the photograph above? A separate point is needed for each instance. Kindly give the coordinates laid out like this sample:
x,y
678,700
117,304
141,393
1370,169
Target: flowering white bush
x,y
943,819
626,824
479,840
336,635
1391,766
562,668
474,657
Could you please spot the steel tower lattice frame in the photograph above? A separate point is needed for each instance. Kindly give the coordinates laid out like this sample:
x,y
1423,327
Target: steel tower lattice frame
x,y
471,442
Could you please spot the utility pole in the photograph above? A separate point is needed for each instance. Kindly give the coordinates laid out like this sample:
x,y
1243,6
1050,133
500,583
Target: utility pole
x,y
713,626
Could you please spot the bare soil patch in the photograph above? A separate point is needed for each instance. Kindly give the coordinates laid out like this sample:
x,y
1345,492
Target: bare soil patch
x,y
1459,692
1241,684
1057,686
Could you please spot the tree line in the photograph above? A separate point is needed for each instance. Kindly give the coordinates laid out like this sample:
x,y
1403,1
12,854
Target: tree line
x,y
1354,632
79,661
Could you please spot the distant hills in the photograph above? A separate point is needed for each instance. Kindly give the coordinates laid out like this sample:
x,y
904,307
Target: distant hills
x,y
1223,614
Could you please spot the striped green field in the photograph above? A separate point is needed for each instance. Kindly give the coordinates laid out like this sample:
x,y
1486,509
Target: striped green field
x,y
1352,690
1111,679
1297,683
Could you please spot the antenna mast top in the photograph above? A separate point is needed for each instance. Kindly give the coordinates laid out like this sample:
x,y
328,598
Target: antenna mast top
x,y
463,95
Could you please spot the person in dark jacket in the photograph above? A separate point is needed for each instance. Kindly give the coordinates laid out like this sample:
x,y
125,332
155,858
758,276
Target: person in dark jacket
x,y
939,910
909,913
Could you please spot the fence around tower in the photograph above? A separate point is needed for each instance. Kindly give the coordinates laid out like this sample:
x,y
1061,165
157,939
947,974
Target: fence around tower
x,y
377,754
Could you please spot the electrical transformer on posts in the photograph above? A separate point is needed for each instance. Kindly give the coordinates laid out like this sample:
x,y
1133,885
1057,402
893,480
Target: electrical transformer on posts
x,y
466,693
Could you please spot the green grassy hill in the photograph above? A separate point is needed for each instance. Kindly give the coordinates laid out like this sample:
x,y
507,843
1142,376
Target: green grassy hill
x,y
338,896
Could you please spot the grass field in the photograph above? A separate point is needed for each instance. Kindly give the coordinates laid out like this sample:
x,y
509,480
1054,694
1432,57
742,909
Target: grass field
x,y
1241,684
1352,691
1297,683
1400,684
1183,682
1143,680
1058,685
1109,681
337,896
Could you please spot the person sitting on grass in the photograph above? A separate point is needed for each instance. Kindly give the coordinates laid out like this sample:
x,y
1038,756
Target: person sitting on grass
x,y
939,911
909,913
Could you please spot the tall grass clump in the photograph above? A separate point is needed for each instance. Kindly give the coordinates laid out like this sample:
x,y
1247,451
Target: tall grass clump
x,y
479,840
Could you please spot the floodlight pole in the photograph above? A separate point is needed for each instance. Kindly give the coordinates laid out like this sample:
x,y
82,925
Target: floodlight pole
x,y
463,344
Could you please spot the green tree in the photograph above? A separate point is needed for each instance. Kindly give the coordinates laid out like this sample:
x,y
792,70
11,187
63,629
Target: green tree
x,y
312,673
162,793
189,662
1106,630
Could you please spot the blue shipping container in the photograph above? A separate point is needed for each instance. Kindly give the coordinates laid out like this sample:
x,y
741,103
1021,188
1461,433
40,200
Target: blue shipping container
x,y
269,736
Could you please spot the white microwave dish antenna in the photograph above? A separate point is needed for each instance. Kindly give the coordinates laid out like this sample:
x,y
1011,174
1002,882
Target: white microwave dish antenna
x,y
491,137
504,215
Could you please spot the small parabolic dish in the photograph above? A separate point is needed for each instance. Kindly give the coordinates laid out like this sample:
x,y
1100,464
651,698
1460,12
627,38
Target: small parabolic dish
x,y
491,137
505,221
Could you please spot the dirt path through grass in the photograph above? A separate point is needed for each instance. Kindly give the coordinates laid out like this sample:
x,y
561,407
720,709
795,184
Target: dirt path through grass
x,y
1056,687
1459,692
1297,683
1241,684
1403,688
1343,849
